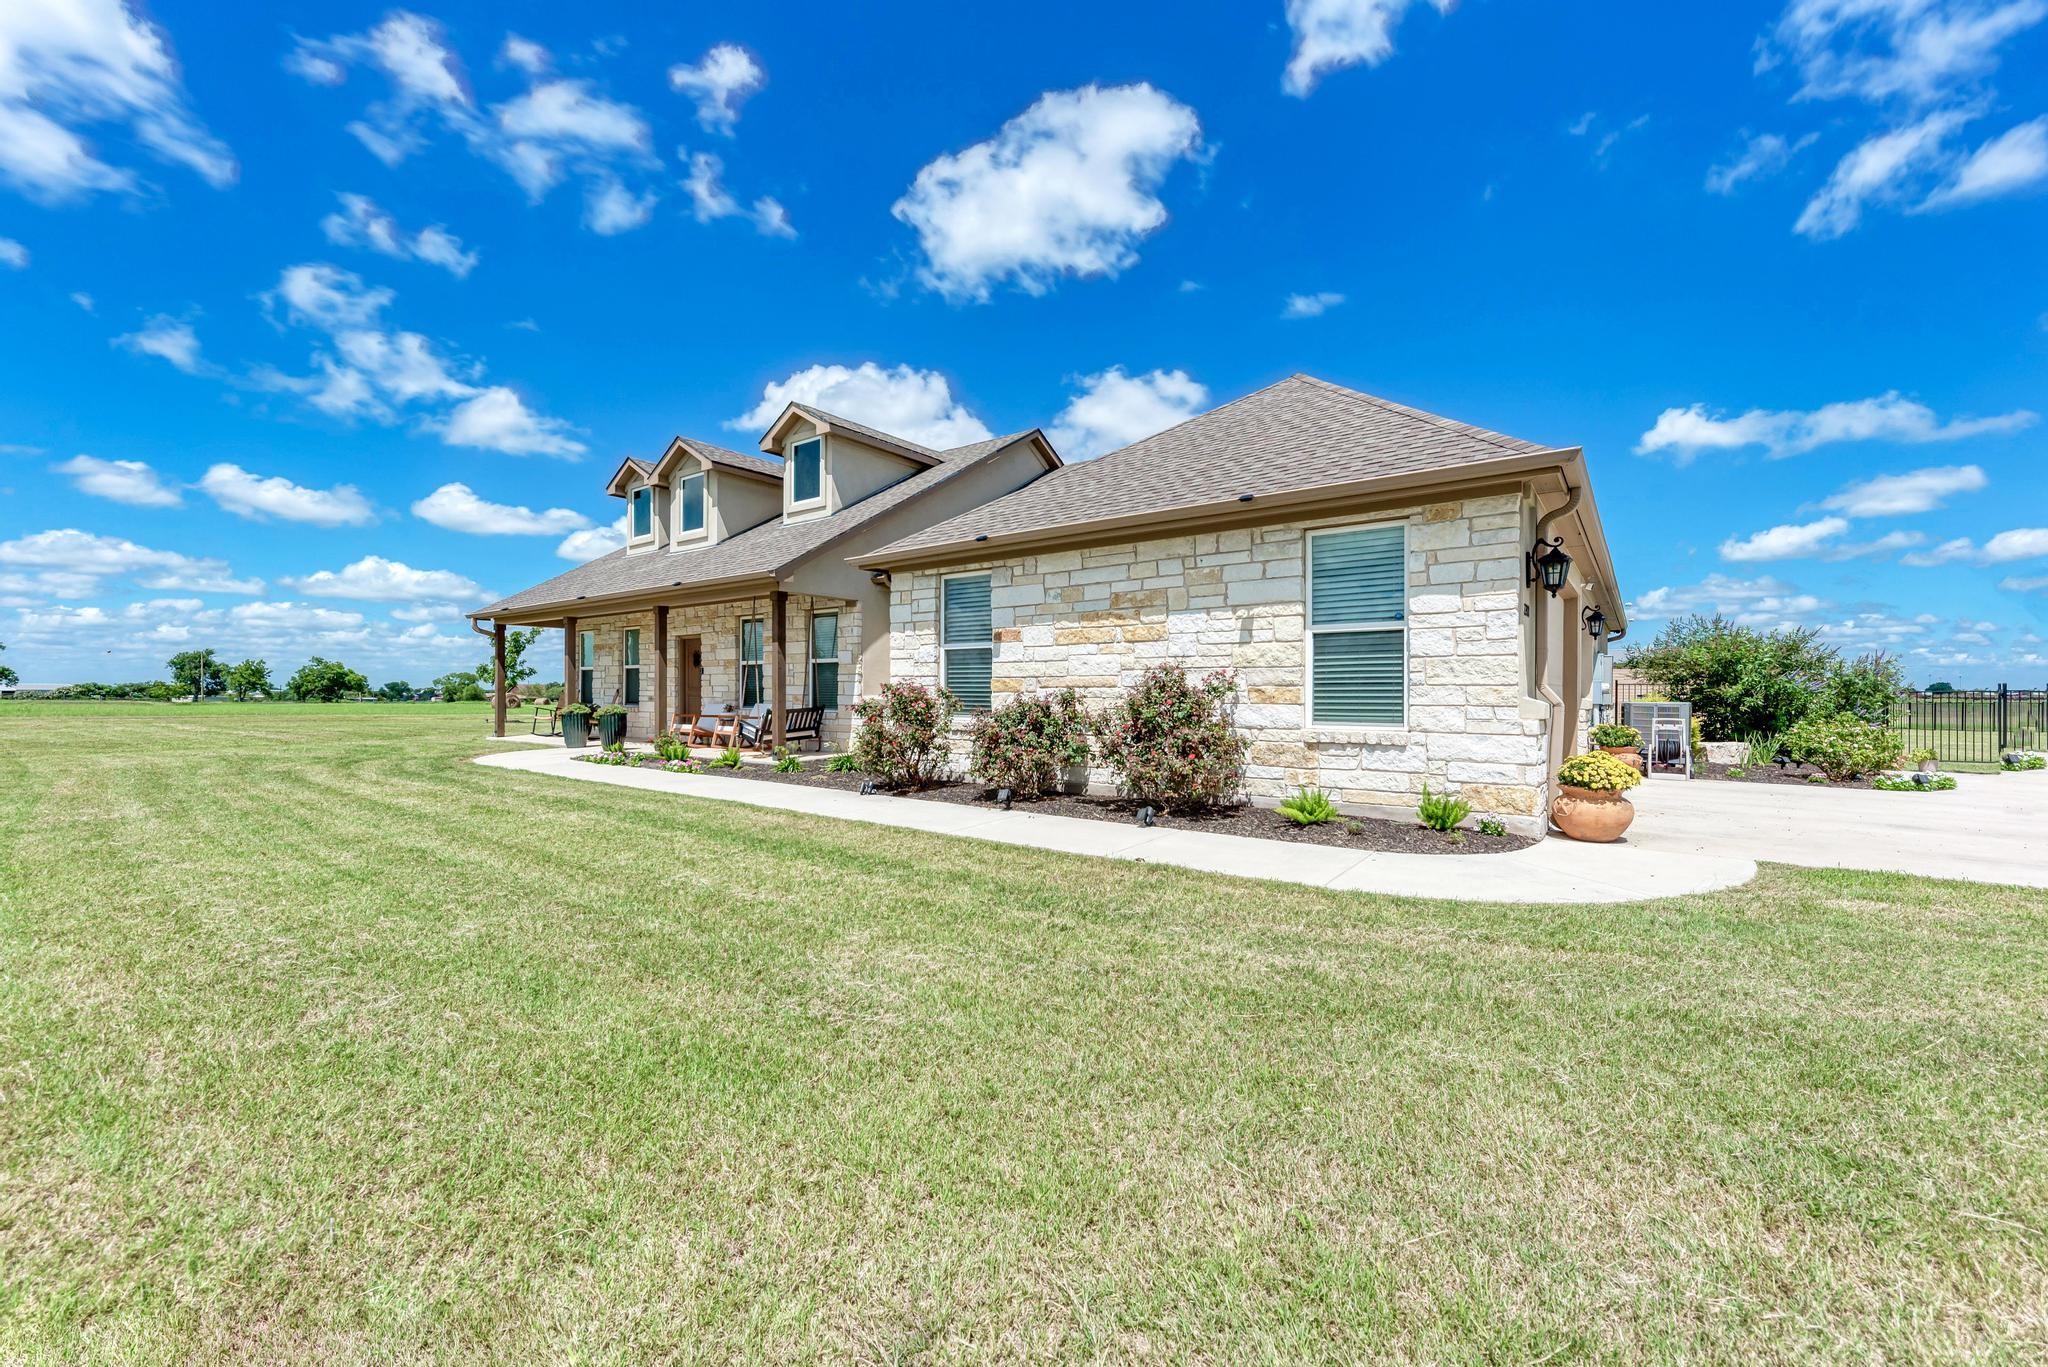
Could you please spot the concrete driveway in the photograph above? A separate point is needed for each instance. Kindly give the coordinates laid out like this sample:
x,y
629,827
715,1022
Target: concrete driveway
x,y
1992,829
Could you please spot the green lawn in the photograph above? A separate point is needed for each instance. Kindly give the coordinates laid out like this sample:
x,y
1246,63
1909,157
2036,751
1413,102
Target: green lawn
x,y
317,1041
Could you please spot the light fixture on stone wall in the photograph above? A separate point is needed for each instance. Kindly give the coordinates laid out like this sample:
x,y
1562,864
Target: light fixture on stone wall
x,y
1596,623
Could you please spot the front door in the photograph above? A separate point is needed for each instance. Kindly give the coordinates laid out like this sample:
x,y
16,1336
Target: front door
x,y
689,675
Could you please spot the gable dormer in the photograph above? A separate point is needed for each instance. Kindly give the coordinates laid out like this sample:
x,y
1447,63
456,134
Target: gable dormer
x,y
830,463
634,482
709,493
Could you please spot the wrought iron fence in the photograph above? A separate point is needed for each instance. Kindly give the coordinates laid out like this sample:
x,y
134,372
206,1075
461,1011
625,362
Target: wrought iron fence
x,y
1975,725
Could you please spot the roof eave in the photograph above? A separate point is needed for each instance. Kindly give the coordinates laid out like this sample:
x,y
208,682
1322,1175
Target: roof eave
x,y
771,440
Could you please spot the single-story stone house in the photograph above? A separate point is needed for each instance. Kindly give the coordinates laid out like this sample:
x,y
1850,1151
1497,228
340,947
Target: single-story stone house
x,y
1403,599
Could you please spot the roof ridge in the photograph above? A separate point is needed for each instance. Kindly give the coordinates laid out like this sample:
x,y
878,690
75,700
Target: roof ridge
x,y
1485,434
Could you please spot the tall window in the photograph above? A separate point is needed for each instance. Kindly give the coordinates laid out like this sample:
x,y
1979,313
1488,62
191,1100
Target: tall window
x,y
825,659
690,505
966,643
752,638
805,475
586,665
643,512
632,666
1357,633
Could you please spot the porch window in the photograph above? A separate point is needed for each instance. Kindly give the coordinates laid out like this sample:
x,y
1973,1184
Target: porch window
x,y
805,471
966,641
632,666
586,666
825,660
1357,626
643,512
690,505
752,639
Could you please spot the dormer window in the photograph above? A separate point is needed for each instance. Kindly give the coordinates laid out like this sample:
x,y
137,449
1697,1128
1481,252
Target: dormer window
x,y
806,471
690,505
642,506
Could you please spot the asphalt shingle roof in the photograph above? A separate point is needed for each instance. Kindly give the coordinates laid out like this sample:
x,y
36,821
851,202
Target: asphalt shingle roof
x,y
1297,435
738,460
769,549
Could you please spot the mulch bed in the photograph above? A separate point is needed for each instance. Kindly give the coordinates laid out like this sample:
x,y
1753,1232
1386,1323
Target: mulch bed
x,y
1351,833
1771,773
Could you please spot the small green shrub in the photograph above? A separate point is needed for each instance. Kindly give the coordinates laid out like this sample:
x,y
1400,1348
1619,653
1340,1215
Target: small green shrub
x,y
2023,763
842,764
1309,807
1844,746
611,754
1935,783
1738,772
1763,749
1444,811
786,761
1614,736
1028,743
728,758
902,739
669,745
1489,825
1598,773
576,709
1921,756
1816,778
611,710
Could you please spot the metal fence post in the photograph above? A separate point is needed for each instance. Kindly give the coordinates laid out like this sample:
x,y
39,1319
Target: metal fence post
x,y
2004,709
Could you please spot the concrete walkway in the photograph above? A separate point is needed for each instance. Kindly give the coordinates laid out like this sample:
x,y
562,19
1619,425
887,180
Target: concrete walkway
x,y
1555,871
1992,829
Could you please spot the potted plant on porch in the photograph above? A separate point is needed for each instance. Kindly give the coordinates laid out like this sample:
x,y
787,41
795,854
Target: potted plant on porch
x,y
576,725
611,726
1625,743
1590,804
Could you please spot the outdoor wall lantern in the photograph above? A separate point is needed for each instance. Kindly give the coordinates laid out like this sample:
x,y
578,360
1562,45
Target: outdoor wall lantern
x,y
1551,566
1596,623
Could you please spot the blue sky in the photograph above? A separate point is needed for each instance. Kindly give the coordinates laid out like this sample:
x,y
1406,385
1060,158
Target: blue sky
x,y
322,321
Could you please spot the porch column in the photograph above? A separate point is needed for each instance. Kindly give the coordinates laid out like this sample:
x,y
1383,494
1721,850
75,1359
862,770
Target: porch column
x,y
778,652
569,661
498,678
660,670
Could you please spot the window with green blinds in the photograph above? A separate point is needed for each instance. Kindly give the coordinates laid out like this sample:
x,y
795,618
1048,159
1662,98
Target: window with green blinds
x,y
966,639
1358,643
825,660
632,667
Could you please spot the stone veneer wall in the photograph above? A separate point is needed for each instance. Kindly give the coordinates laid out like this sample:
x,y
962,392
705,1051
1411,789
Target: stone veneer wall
x,y
718,625
1094,619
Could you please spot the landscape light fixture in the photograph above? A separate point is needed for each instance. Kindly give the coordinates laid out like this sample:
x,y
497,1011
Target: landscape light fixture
x,y
867,787
1596,623
1145,815
1550,565
1003,796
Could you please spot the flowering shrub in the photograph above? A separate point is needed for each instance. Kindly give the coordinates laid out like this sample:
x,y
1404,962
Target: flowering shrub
x,y
1026,743
1598,773
1613,735
1170,741
611,754
1844,746
901,742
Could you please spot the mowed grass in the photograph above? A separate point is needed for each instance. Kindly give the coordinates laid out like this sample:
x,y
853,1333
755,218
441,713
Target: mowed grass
x,y
319,1042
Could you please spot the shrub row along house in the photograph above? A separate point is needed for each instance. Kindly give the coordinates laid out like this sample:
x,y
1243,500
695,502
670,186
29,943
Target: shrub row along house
x,y
1400,598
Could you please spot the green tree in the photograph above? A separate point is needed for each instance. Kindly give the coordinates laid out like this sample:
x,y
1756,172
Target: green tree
x,y
1866,688
517,670
460,686
321,680
1942,686
7,676
395,690
197,672
1740,682
250,676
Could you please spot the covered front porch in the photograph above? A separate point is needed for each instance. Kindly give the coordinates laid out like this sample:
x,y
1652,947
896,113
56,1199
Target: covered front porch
x,y
780,660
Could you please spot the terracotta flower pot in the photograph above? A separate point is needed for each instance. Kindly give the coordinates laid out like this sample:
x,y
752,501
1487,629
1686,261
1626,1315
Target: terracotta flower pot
x,y
1596,817
1627,754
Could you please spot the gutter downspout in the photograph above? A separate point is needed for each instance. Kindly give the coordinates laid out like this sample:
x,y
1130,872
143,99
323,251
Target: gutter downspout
x,y
1542,630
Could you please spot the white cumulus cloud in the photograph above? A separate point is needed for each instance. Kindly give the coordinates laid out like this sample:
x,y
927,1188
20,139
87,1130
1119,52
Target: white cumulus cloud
x,y
917,404
719,83
76,553
1915,491
261,497
1068,187
67,65
1310,305
457,507
123,481
593,542
1331,34
13,254
2013,161
375,579
169,339
1114,409
1786,542
1685,432
497,419
360,223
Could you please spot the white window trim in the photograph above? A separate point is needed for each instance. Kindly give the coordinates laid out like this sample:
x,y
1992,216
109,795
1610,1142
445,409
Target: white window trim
x,y
989,645
628,672
810,504
653,517
586,663
740,678
678,536
811,665
1310,632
